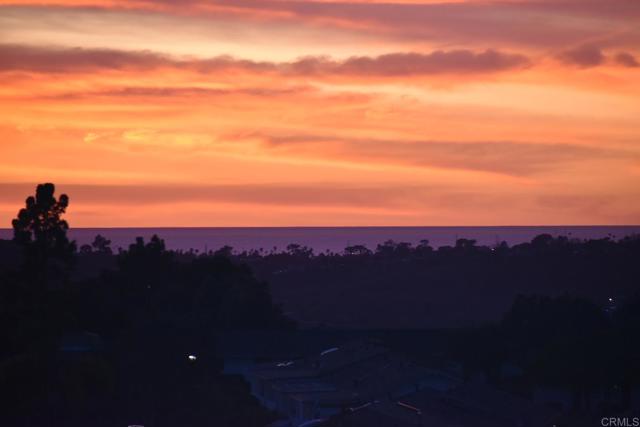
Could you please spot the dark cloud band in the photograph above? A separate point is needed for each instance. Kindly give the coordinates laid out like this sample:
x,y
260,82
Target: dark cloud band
x,y
76,60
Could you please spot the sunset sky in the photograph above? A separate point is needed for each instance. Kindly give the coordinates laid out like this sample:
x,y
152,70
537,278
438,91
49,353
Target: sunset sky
x,y
322,112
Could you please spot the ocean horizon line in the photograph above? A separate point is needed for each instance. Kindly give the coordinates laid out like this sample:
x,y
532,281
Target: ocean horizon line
x,y
168,227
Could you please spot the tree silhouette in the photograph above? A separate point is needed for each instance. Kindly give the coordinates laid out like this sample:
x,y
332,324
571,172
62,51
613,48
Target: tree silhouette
x,y
40,229
297,250
102,245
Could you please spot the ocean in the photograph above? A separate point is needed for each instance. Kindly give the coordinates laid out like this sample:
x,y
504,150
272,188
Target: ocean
x,y
334,239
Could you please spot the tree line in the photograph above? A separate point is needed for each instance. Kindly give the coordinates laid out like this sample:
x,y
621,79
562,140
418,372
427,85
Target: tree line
x,y
132,345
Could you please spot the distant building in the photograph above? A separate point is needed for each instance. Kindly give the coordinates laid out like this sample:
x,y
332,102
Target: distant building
x,y
467,405
80,343
244,350
340,380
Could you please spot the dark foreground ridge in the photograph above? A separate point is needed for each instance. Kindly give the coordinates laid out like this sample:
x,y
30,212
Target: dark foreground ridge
x,y
538,334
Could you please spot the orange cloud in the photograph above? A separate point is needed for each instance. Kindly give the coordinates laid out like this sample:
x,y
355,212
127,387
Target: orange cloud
x,y
326,113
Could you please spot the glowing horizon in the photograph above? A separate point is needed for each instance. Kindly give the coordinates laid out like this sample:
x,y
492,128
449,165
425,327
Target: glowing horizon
x,y
323,113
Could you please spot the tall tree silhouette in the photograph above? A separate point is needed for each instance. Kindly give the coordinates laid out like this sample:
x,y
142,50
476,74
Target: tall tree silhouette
x,y
40,229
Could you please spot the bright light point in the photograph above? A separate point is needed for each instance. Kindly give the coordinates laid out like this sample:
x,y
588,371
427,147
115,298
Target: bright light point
x,y
192,357
610,299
